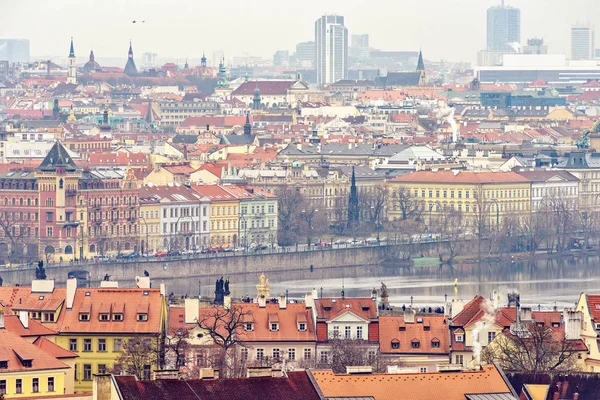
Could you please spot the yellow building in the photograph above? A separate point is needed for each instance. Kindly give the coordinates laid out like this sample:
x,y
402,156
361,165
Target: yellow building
x,y
150,237
27,371
97,322
479,197
589,307
224,220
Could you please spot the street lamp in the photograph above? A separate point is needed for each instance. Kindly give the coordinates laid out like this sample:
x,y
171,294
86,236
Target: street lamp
x,y
244,221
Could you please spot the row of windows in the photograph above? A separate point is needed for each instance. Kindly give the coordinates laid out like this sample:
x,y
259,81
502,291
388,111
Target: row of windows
x,y
185,212
258,209
18,389
348,332
223,210
101,344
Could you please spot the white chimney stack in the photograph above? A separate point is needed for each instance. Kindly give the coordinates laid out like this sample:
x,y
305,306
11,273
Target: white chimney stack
x,y
262,301
1,319
227,302
282,301
71,290
192,312
24,318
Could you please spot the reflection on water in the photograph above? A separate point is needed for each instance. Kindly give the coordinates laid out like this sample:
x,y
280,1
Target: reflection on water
x,y
547,282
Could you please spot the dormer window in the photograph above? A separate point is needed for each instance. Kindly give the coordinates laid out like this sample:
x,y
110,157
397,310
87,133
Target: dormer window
x,y
142,317
104,317
84,316
435,343
415,344
3,364
274,326
395,344
26,363
118,317
327,308
302,327
248,326
459,338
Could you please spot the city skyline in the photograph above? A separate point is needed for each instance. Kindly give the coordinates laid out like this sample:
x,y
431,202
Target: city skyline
x,y
166,31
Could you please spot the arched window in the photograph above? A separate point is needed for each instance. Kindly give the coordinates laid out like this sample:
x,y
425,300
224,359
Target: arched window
x,y
60,183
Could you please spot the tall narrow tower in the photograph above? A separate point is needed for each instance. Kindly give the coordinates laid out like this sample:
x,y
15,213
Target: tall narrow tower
x,y
421,69
130,68
353,209
72,73
256,99
331,49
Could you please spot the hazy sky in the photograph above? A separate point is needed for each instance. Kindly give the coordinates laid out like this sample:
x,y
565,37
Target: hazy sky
x,y
452,30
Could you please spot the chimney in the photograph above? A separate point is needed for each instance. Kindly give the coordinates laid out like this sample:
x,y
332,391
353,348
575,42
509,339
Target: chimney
x,y
299,146
71,290
109,284
165,374
192,313
409,316
227,302
525,314
349,146
163,290
42,286
209,373
256,372
24,318
282,301
142,282
359,370
262,301
573,321
1,319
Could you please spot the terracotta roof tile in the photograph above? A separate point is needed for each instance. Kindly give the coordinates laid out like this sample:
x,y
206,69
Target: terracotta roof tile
x,y
14,349
331,308
417,386
53,349
134,300
13,324
431,329
462,177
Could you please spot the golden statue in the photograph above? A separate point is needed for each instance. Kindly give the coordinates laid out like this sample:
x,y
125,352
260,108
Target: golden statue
x,y
263,287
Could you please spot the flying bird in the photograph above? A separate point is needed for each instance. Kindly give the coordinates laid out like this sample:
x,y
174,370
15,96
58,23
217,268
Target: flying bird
x,y
135,22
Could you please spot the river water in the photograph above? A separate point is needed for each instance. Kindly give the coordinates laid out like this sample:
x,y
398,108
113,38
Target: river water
x,y
546,283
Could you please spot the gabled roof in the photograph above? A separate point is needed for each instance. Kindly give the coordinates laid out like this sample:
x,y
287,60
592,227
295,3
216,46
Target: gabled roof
x,y
58,157
13,323
413,386
401,79
462,177
16,350
53,349
430,329
330,308
265,87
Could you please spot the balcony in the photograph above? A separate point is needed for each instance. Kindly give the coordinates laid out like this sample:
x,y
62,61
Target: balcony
x,y
70,192
70,223
98,221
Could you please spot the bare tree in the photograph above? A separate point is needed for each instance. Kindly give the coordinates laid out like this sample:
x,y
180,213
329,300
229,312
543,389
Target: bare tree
x,y
137,357
408,205
291,203
533,231
562,220
15,228
225,326
176,347
452,231
349,352
533,348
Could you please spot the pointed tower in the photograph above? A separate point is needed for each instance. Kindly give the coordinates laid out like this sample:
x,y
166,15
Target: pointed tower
x,y
56,110
222,83
72,71
130,68
92,65
203,61
353,210
421,69
256,99
247,125
186,66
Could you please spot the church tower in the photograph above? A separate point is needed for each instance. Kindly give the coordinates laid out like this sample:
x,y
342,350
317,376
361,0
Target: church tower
x,y
203,61
72,72
247,125
256,99
421,69
353,209
130,68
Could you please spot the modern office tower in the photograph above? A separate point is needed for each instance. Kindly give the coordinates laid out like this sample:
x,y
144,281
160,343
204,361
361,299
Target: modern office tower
x,y
361,40
14,50
305,54
503,28
331,49
583,43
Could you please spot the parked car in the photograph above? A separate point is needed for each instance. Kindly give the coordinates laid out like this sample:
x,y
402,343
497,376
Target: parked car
x,y
323,244
101,258
371,240
339,241
172,253
261,247
161,253
238,249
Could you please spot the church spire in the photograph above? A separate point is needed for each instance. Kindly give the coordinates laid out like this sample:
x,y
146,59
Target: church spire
x,y
130,54
247,125
353,210
421,69
72,50
130,68
256,99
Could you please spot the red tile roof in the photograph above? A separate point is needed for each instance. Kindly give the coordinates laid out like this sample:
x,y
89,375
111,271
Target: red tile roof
x,y
13,323
461,177
92,299
13,349
330,308
53,349
593,301
430,329
227,121
415,386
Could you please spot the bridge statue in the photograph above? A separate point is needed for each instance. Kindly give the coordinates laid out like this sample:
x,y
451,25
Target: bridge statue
x,y
262,288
